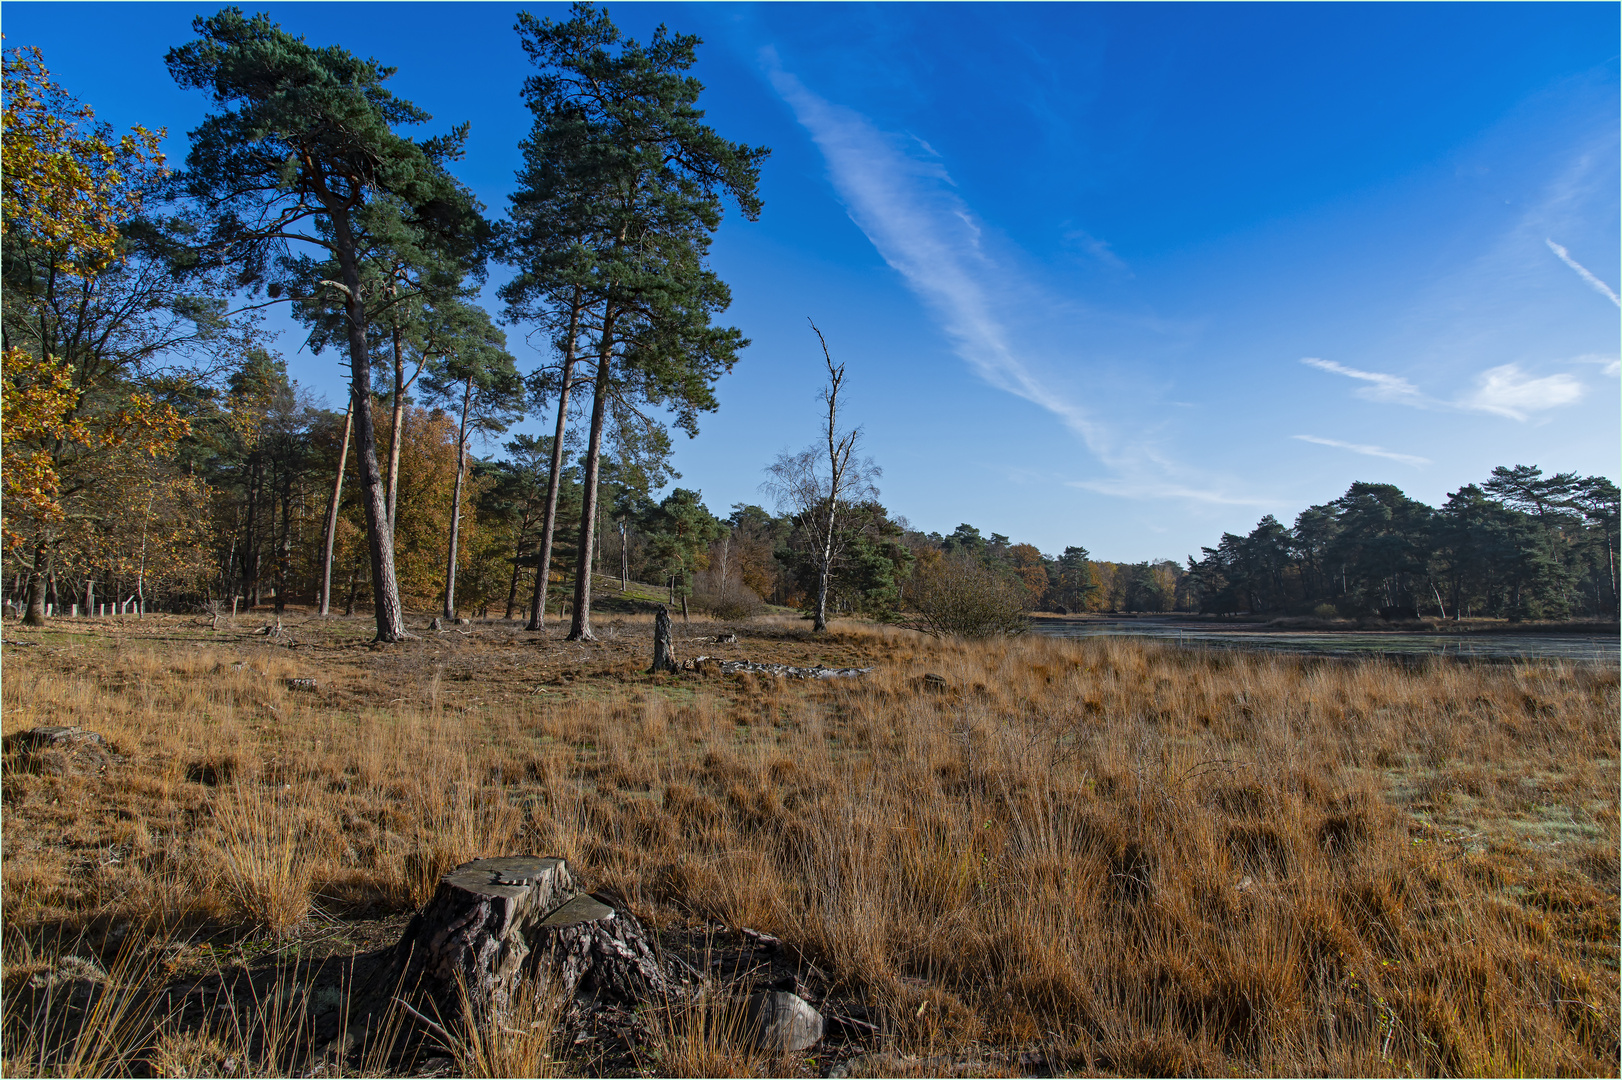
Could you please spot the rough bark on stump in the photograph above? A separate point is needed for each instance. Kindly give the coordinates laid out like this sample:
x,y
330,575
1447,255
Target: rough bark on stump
x,y
480,924
494,922
593,950
664,656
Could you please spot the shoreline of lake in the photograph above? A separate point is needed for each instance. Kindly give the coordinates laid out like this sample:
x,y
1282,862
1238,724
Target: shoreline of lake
x,y
1583,642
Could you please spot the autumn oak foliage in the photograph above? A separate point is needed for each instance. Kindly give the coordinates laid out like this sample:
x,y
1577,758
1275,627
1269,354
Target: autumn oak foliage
x,y
72,418
69,182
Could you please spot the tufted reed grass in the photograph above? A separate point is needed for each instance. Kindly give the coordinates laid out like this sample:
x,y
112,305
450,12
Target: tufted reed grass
x,y
1132,858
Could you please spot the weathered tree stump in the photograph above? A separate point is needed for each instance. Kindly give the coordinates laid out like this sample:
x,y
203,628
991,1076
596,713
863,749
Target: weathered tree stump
x,y
494,922
664,656
480,925
594,950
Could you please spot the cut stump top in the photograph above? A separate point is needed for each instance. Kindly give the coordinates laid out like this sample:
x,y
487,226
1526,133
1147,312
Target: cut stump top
x,y
579,910
506,876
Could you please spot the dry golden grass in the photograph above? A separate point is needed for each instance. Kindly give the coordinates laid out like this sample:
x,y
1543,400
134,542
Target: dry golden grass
x,y
1129,858
520,1039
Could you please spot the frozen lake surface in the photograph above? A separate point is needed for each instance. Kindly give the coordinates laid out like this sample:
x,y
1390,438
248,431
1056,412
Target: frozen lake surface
x,y
1590,648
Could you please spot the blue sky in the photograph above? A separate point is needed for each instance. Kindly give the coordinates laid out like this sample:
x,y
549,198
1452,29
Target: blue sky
x,y
1118,276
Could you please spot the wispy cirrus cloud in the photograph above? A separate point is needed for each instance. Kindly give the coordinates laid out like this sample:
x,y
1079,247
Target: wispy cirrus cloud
x,y
897,190
1583,272
1097,249
1380,386
924,230
1504,390
1139,489
1366,450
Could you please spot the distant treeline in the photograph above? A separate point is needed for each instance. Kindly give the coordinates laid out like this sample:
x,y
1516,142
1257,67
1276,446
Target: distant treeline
x,y
1520,546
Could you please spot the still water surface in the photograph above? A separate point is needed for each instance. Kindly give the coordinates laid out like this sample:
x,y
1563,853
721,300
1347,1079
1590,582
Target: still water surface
x,y
1595,648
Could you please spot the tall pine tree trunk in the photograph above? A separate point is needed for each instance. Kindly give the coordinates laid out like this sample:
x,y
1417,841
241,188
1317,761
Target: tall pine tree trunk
x,y
537,605
380,537
398,423
580,627
456,503
332,514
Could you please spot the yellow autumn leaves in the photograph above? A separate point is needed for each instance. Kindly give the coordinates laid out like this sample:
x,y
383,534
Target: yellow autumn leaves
x,y
68,182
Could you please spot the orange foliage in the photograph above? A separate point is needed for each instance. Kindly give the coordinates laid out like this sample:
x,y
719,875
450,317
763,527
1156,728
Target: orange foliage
x,y
43,423
1028,564
67,181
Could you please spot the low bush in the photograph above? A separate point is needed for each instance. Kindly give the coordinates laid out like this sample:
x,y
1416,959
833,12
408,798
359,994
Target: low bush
x,y
738,602
958,595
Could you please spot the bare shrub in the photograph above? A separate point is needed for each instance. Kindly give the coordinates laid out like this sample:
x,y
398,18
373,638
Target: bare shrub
x,y
737,602
958,595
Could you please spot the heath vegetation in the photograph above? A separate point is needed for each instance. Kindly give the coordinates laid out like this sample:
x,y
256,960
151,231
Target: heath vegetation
x,y
1114,856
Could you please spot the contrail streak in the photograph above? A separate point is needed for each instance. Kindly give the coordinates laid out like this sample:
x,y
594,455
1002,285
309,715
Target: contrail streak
x,y
1582,272
1370,451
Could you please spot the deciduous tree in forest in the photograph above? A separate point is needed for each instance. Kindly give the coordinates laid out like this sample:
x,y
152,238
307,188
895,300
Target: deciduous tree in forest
x,y
81,319
1027,562
68,183
302,141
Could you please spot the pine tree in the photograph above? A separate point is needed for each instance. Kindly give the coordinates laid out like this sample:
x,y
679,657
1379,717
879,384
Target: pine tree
x,y
477,376
303,140
620,193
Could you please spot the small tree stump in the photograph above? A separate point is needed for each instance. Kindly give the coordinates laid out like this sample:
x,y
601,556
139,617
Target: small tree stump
x,y
493,922
664,656
481,924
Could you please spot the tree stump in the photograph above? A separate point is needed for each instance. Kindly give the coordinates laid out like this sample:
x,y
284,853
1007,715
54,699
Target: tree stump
x,y
480,924
493,922
664,656
593,950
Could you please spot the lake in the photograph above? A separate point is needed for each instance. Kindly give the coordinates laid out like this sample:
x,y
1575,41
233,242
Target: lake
x,y
1589,648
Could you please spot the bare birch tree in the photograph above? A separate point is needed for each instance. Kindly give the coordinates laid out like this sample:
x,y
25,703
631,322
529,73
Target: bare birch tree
x,y
818,484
